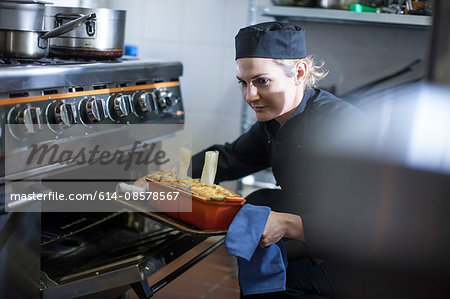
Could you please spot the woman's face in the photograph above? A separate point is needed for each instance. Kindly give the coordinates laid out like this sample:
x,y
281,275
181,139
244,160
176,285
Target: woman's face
x,y
267,89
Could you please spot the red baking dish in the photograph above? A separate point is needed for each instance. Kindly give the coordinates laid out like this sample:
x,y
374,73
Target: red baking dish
x,y
168,207
202,213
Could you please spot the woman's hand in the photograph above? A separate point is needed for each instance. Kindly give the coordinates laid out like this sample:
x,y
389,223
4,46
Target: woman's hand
x,y
281,225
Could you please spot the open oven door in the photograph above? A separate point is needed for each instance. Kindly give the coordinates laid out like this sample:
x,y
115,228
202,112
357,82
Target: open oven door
x,y
111,253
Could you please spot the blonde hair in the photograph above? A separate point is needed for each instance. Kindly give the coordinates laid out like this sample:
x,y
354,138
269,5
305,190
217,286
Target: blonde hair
x,y
314,69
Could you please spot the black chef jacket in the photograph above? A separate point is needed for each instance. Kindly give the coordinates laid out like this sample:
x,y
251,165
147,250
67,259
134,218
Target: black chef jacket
x,y
284,148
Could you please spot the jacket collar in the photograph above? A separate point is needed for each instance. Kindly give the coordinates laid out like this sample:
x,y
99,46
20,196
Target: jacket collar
x,y
309,93
272,126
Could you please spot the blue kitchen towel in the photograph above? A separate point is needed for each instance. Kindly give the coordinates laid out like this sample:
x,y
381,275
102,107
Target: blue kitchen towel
x,y
261,269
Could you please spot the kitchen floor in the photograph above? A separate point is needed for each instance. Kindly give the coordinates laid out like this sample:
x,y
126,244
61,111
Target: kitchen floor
x,y
213,277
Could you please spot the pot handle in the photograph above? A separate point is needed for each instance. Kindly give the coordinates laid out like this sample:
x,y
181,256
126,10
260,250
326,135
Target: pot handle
x,y
60,16
68,26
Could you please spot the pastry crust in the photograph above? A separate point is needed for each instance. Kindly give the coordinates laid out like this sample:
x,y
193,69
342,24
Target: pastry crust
x,y
194,186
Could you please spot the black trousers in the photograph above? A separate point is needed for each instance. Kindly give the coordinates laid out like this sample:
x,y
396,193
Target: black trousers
x,y
306,277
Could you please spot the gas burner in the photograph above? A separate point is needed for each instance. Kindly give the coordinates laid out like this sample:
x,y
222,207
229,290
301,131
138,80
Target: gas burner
x,y
7,61
52,61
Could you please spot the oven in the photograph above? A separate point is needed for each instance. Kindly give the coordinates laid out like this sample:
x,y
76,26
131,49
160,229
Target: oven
x,y
55,114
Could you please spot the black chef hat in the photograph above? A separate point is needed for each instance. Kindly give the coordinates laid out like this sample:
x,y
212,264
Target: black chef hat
x,y
271,40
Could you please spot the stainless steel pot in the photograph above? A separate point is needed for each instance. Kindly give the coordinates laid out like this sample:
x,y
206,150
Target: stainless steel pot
x,y
33,44
21,15
102,38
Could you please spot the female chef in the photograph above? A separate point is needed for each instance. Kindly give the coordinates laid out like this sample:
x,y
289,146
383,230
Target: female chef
x,y
277,80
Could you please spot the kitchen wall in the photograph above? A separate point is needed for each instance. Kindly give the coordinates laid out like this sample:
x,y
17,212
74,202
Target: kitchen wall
x,y
200,34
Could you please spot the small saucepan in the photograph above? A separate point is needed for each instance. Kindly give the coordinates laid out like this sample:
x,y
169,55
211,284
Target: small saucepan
x,y
31,42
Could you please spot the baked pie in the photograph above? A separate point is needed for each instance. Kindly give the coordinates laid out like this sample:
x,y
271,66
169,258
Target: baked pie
x,y
194,186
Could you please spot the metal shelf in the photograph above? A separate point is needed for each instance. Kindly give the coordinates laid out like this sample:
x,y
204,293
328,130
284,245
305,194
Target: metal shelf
x,y
342,16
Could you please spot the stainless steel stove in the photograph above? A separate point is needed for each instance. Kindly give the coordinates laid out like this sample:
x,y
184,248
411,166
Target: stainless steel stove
x,y
74,104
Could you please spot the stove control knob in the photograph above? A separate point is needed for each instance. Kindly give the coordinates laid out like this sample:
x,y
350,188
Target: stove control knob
x,y
94,110
165,99
143,102
31,118
65,114
119,106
